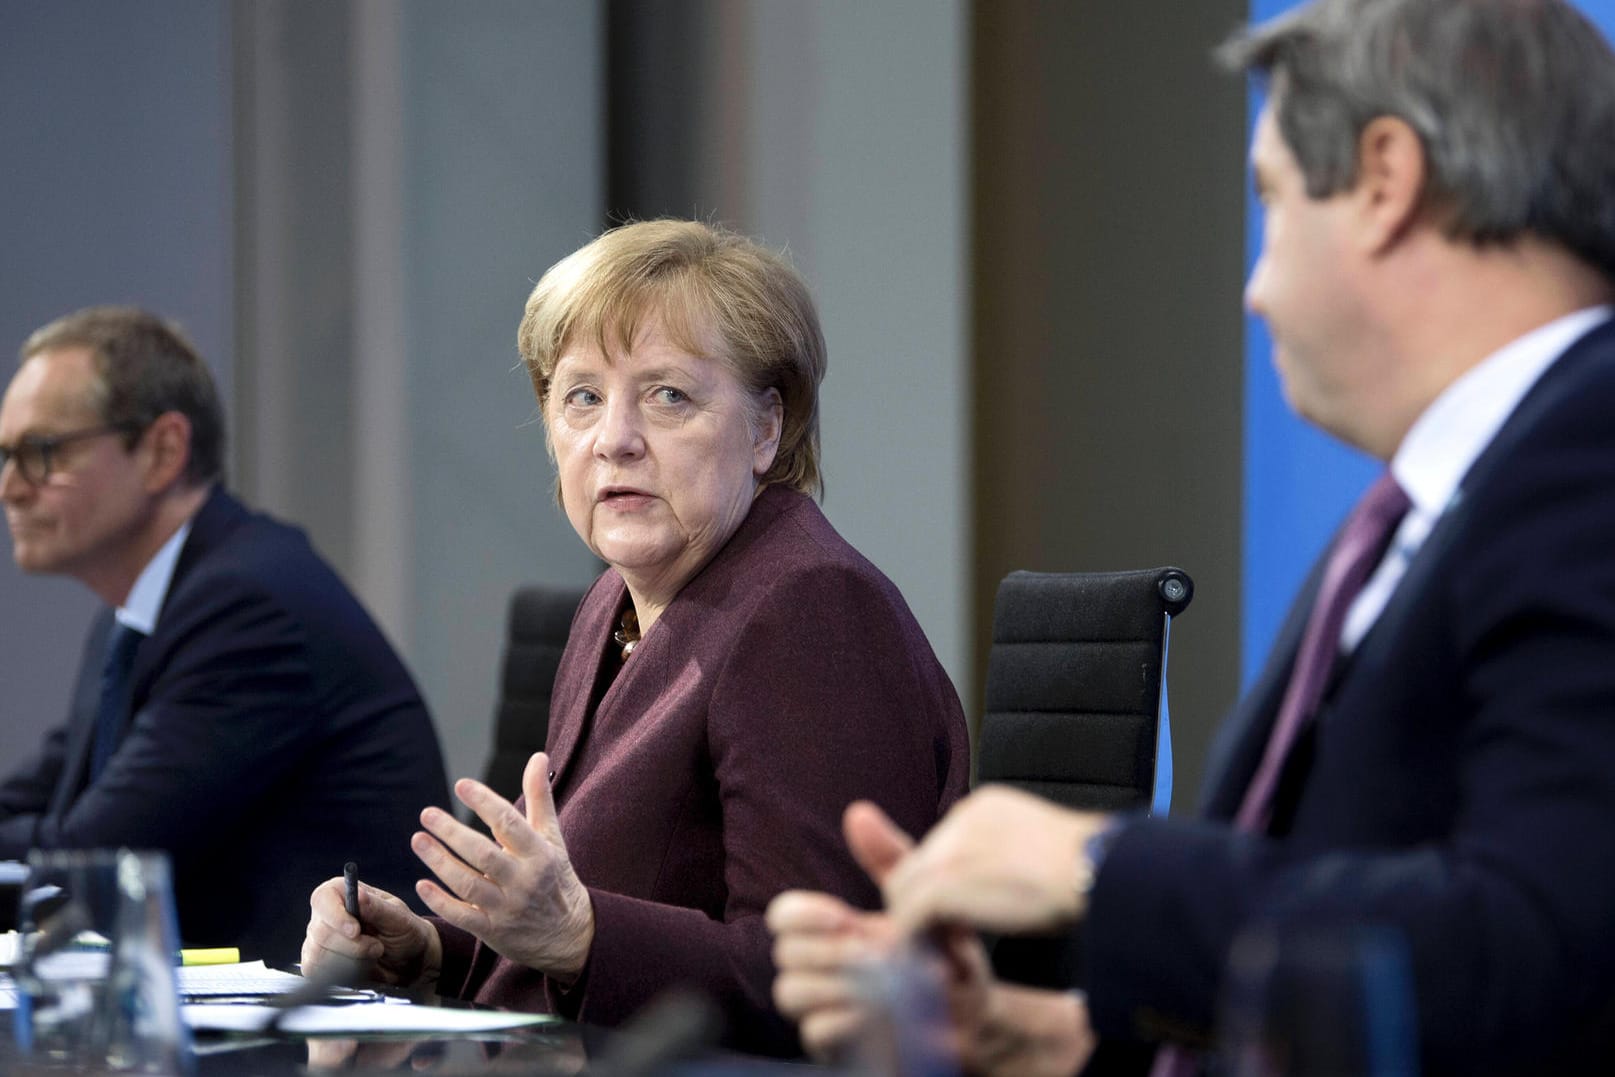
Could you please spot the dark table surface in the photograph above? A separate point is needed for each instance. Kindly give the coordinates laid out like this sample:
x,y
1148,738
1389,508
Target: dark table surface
x,y
538,1050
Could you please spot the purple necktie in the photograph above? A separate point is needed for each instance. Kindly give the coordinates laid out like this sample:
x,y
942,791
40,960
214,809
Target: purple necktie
x,y
1363,539
1361,545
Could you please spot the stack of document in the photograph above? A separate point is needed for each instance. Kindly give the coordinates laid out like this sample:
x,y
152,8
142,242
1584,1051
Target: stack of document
x,y
246,998
243,998
358,1019
252,981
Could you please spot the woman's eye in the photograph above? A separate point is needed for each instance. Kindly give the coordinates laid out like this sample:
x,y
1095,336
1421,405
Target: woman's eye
x,y
581,398
666,394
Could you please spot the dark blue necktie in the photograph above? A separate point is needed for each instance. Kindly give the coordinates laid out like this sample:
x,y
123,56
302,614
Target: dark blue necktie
x,y
113,713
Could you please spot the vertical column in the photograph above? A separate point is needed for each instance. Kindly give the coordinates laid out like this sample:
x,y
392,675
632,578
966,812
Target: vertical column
x,y
1107,351
379,445
837,131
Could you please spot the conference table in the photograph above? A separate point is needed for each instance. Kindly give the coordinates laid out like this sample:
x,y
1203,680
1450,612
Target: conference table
x,y
558,1048
672,1037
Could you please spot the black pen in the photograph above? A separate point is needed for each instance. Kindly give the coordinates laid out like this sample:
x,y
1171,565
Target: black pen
x,y
350,876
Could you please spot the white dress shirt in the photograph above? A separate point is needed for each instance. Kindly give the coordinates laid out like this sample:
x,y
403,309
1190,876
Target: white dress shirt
x,y
1448,437
139,611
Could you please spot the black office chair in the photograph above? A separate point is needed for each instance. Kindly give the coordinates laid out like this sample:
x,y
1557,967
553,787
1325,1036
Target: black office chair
x,y
539,620
1075,684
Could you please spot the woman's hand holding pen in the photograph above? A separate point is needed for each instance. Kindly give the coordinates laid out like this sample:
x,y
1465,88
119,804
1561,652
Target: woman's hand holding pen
x,y
517,892
403,949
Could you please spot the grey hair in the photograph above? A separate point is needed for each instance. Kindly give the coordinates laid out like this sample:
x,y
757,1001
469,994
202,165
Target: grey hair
x,y
1513,100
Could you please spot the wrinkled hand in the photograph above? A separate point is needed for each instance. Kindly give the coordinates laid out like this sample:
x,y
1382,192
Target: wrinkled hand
x,y
516,892
1000,860
822,947
402,949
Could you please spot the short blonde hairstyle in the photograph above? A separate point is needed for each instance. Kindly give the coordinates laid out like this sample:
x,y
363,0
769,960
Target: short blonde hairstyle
x,y
714,291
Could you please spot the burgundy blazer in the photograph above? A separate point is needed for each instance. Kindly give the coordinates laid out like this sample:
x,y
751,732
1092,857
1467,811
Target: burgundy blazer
x,y
787,679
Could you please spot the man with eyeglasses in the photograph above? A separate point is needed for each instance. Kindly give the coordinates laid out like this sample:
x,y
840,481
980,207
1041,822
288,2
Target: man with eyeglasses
x,y
235,705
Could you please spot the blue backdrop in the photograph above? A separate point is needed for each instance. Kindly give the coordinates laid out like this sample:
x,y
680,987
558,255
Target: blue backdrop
x,y
1298,483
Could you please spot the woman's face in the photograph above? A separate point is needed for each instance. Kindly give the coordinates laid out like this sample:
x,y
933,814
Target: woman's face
x,y
660,453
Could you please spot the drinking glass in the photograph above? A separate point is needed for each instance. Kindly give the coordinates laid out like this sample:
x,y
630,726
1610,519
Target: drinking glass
x,y
1318,1002
905,1031
107,1001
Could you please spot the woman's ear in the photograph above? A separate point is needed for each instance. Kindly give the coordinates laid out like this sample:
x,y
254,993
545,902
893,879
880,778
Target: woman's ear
x,y
1391,173
767,428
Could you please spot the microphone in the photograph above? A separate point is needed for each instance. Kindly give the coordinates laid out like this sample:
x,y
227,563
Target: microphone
x,y
671,1027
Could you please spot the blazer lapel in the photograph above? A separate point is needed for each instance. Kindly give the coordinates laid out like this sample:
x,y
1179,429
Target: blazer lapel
x,y
575,681
218,514
640,683
86,702
1238,746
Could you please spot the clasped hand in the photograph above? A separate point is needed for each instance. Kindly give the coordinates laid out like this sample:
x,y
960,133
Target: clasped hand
x,y
516,892
1000,860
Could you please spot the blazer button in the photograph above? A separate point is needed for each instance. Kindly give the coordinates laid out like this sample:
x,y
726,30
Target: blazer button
x,y
552,777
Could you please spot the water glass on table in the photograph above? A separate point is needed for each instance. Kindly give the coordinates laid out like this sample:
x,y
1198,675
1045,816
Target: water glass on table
x,y
100,1006
1318,1002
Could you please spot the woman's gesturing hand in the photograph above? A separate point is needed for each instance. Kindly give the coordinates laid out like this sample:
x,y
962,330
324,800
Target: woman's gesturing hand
x,y
516,892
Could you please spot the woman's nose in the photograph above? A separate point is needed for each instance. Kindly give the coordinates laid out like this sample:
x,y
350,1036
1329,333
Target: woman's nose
x,y
619,434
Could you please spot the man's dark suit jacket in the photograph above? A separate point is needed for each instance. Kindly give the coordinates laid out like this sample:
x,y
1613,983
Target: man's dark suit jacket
x,y
786,680
274,736
1457,785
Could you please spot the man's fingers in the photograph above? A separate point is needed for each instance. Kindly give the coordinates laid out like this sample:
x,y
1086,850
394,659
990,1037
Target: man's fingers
x,y
826,1033
800,993
911,895
964,954
807,910
803,951
877,843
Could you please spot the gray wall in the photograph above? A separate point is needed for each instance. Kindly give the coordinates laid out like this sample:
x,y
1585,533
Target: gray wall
x,y
116,187
504,164
409,169
828,129
1021,222
860,142
837,131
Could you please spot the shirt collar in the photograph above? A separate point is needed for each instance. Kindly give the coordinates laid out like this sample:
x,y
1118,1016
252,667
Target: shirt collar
x,y
1446,439
139,611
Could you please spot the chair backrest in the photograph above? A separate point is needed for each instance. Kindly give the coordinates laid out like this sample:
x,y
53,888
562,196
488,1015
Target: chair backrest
x,y
537,625
1075,684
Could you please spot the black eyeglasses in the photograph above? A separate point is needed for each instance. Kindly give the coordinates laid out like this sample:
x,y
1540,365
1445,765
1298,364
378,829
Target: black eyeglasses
x,y
35,456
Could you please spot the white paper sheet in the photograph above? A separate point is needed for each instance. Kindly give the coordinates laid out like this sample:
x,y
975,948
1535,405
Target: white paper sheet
x,y
354,1019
